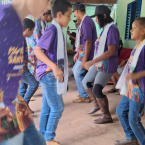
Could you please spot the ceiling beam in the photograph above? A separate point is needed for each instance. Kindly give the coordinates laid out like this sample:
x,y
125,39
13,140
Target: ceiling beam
x,y
94,1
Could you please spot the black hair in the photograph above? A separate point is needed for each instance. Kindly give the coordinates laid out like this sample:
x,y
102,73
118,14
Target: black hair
x,y
120,47
28,24
60,6
103,21
141,21
82,7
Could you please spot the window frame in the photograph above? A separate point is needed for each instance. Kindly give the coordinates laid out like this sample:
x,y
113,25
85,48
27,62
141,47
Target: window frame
x,y
130,18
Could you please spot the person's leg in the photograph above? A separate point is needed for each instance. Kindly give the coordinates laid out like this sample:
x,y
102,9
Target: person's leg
x,y
29,79
122,113
44,115
78,78
135,110
17,140
23,88
101,81
117,75
113,90
114,81
32,136
88,84
55,102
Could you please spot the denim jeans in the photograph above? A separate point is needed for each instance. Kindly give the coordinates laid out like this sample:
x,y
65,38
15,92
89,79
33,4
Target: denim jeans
x,y
129,114
28,80
29,137
32,136
17,140
52,107
77,71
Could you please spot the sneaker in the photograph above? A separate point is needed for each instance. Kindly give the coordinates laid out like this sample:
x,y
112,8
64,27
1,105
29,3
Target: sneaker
x,y
52,142
81,100
127,142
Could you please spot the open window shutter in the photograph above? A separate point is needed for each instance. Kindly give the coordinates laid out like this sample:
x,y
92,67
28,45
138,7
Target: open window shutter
x,y
131,16
138,9
128,20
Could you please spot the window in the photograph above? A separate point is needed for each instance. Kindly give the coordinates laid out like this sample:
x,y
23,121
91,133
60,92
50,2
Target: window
x,y
4,2
133,12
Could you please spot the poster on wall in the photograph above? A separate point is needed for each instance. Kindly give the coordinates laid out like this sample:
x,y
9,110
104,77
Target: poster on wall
x,y
4,2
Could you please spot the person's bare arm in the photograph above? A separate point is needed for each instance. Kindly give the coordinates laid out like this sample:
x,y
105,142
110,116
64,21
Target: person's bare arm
x,y
88,46
40,55
135,76
111,50
72,37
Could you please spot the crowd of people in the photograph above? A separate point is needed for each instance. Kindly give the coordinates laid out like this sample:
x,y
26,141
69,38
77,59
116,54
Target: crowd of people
x,y
96,62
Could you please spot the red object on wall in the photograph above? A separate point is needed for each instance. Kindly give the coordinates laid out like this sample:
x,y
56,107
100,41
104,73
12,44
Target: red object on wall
x,y
124,54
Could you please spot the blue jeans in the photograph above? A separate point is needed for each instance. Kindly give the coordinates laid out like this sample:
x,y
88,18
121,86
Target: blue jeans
x,y
16,140
129,114
32,136
52,107
77,71
28,80
29,137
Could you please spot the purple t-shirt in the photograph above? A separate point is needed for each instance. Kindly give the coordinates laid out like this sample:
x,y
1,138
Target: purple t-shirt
x,y
110,65
138,89
88,32
48,42
12,106
11,56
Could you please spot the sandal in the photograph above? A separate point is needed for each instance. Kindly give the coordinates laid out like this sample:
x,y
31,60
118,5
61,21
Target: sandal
x,y
112,91
118,92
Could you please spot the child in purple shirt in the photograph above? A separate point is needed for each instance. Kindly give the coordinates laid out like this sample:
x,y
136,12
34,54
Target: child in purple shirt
x,y
49,71
11,64
131,106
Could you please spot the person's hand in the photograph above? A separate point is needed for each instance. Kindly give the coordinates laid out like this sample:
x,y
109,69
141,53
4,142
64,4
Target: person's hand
x,y
132,76
25,68
76,56
58,73
31,63
88,64
68,32
69,65
83,65
122,64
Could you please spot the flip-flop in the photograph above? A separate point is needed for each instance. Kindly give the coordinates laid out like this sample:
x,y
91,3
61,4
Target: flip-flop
x,y
117,92
112,91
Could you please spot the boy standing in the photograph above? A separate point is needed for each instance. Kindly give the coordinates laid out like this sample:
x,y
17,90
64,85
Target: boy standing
x,y
52,69
27,78
86,36
131,106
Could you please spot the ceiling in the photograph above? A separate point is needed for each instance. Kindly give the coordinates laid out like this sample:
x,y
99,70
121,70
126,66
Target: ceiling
x,y
94,1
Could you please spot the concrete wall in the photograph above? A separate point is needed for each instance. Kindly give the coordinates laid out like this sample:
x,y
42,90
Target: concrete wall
x,y
121,20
